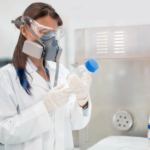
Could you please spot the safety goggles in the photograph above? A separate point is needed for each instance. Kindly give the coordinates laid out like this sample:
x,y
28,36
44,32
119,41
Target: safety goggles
x,y
43,30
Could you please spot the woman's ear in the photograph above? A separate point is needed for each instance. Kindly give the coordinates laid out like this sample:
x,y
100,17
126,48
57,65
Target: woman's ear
x,y
23,30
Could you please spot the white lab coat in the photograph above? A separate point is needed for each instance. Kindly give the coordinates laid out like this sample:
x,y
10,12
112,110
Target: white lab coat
x,y
24,121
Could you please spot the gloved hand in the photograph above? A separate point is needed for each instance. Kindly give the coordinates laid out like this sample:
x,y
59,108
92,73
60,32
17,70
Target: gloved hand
x,y
57,97
80,87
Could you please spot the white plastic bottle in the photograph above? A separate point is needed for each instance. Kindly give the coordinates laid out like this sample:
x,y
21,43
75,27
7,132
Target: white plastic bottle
x,y
148,135
90,67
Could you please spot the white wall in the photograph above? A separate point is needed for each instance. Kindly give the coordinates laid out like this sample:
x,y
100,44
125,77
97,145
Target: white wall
x,y
75,14
100,13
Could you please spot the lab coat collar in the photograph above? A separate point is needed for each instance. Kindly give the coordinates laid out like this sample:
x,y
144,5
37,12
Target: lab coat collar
x,y
32,64
35,68
28,68
36,79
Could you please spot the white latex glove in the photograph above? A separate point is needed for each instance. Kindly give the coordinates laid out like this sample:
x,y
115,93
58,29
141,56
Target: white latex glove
x,y
56,97
80,87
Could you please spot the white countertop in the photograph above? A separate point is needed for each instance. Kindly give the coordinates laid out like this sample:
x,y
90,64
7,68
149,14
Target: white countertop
x,y
121,143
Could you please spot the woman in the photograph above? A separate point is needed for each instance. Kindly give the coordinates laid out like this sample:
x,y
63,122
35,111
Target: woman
x,y
34,115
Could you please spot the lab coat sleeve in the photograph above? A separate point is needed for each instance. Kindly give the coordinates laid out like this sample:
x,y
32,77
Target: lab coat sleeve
x,y
18,128
78,120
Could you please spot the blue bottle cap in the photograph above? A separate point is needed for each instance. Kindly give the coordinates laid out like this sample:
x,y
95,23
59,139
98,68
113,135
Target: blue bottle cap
x,y
149,126
91,65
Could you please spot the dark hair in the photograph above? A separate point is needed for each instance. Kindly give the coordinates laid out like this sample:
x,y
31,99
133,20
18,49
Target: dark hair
x,y
35,11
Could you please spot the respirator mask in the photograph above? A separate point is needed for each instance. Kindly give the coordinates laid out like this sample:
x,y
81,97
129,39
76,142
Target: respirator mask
x,y
45,48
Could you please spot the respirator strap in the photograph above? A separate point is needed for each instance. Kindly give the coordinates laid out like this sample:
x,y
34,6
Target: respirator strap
x,y
25,24
57,65
56,73
34,34
39,40
17,22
